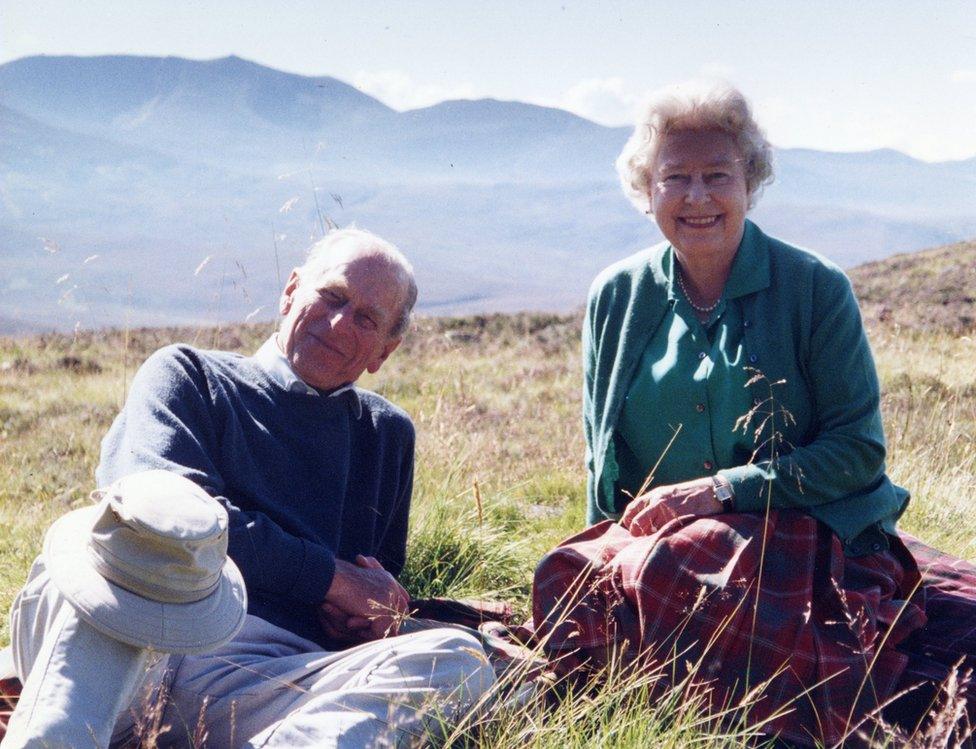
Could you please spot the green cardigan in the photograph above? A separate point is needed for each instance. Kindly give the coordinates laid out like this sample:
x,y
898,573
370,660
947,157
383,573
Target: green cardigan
x,y
802,330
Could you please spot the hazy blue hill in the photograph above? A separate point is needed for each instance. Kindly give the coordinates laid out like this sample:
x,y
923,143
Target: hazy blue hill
x,y
491,140
126,92
82,92
884,181
210,110
846,235
199,183
28,144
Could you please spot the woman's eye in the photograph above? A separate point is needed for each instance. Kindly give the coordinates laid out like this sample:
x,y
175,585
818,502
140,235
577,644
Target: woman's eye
x,y
674,182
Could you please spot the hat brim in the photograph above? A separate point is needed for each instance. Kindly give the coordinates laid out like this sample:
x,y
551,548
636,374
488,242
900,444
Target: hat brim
x,y
167,627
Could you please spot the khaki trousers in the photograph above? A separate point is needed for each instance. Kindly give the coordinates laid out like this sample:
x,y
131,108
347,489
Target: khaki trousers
x,y
266,688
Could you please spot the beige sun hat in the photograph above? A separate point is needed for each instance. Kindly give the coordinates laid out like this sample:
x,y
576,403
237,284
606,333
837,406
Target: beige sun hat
x,y
148,564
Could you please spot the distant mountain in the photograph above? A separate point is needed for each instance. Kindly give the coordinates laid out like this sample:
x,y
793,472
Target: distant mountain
x,y
146,190
207,110
885,181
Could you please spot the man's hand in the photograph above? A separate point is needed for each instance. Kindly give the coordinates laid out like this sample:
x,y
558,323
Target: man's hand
x,y
364,602
341,628
652,510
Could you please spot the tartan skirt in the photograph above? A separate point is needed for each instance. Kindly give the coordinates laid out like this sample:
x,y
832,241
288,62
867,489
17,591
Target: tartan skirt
x,y
763,619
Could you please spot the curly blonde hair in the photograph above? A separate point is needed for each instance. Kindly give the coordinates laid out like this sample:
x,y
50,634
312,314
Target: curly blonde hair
x,y
693,105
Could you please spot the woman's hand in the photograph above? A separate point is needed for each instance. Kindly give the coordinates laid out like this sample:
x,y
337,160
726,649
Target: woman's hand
x,y
650,511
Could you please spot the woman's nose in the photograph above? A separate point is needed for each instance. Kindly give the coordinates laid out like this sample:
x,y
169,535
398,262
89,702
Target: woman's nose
x,y
698,191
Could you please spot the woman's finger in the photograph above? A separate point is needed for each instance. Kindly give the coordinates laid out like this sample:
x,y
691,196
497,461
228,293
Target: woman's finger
x,y
645,522
631,511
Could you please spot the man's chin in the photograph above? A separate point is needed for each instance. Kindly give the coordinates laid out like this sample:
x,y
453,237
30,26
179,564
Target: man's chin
x,y
321,373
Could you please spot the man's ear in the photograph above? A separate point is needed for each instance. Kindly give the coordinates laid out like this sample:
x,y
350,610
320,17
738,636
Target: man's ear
x,y
284,304
388,348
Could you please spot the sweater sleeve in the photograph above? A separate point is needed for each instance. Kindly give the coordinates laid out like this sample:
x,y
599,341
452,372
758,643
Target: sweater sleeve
x,y
168,422
587,344
392,552
845,456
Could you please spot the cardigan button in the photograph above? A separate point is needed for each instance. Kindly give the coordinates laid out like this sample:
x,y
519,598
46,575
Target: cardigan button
x,y
753,358
708,465
747,323
701,354
700,408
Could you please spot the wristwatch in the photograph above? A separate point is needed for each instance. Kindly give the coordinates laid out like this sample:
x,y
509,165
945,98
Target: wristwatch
x,y
722,491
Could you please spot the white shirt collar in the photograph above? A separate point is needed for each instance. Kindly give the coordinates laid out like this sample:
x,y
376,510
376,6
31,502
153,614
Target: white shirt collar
x,y
273,361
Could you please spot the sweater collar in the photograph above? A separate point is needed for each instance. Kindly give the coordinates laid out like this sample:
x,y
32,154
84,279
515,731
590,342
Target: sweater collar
x,y
750,268
271,359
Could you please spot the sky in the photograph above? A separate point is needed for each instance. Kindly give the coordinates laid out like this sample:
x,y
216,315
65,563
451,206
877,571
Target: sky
x,y
834,75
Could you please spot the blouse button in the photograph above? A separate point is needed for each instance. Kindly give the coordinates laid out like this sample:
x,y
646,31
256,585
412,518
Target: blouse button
x,y
708,465
700,408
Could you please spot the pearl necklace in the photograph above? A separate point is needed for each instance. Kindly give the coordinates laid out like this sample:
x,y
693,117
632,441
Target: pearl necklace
x,y
684,290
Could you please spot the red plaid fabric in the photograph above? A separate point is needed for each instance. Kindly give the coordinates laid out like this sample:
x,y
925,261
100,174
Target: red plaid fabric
x,y
947,642
739,601
9,693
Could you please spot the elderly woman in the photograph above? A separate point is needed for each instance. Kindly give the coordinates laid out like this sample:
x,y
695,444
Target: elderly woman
x,y
732,427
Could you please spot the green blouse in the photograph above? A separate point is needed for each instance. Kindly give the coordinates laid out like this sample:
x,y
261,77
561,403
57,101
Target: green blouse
x,y
689,387
790,315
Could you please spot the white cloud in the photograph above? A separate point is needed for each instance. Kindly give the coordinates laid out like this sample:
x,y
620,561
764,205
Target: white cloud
x,y
963,76
615,101
398,90
819,123
609,101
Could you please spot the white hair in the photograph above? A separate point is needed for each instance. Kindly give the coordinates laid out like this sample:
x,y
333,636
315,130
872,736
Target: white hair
x,y
323,252
693,105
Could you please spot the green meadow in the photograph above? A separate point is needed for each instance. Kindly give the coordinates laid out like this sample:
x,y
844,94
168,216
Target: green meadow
x,y
499,475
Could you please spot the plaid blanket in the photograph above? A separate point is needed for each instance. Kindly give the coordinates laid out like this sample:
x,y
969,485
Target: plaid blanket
x,y
945,648
763,618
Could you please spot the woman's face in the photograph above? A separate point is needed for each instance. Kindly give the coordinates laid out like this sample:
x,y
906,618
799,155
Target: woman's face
x,y
698,193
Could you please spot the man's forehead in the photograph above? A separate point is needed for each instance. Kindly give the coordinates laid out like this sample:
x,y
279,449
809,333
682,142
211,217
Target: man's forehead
x,y
384,280
350,255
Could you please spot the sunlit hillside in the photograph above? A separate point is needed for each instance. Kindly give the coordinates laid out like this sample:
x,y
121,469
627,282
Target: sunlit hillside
x,y
500,478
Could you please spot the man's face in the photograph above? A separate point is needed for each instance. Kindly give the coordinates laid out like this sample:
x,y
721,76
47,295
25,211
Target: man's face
x,y
338,318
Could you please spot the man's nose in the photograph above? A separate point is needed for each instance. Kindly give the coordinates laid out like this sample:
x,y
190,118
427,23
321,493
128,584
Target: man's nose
x,y
340,317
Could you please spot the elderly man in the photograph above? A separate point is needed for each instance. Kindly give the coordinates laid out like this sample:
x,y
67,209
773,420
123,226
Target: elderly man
x,y
316,476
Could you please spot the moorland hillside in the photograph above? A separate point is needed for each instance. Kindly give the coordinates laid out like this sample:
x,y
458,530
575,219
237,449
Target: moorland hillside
x,y
496,401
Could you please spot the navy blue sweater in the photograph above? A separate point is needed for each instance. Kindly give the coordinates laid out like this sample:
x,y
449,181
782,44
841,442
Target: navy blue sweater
x,y
303,479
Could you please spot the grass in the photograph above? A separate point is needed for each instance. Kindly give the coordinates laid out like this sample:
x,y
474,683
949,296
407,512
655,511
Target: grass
x,y
499,476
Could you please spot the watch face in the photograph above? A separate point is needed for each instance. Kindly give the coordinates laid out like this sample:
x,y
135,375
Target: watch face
x,y
723,493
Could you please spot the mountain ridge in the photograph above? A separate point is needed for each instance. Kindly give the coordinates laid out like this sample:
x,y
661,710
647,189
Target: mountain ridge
x,y
156,164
